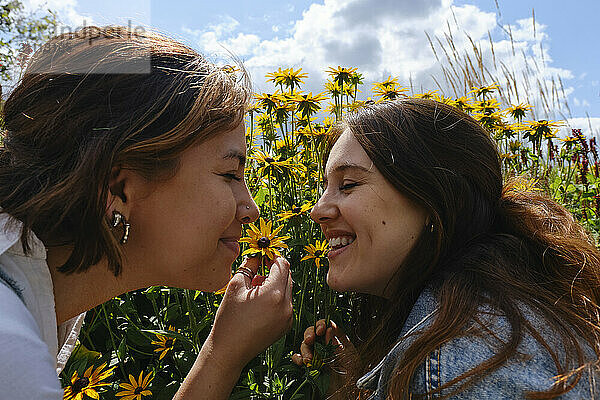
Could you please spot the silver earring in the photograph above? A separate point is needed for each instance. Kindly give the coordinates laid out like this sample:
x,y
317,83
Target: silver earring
x,y
117,219
431,227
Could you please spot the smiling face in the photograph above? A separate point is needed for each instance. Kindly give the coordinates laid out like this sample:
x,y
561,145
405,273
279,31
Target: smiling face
x,y
184,231
370,225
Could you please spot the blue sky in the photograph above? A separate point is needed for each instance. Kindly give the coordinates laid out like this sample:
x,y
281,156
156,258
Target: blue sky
x,y
380,37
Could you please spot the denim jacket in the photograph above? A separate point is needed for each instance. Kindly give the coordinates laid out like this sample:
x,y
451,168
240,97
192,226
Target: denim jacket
x,y
532,370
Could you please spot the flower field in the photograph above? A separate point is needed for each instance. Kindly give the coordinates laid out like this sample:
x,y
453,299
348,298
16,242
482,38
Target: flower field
x,y
141,345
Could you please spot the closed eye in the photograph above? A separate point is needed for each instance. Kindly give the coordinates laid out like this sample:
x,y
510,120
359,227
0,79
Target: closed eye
x,y
232,176
348,186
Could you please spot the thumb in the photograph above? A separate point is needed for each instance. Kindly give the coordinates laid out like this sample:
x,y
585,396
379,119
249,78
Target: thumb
x,y
252,263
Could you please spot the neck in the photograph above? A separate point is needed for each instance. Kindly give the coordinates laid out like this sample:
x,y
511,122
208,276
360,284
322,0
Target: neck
x,y
78,292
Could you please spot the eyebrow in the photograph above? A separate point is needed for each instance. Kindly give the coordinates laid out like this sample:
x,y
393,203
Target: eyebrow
x,y
349,166
235,155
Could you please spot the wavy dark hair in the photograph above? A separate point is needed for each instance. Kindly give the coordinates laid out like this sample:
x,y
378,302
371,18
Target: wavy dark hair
x,y
493,244
99,98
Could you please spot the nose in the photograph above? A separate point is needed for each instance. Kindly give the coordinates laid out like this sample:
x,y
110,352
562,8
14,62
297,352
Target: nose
x,y
324,210
247,210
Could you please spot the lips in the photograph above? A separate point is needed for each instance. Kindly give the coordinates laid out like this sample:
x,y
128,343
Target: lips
x,y
334,252
232,244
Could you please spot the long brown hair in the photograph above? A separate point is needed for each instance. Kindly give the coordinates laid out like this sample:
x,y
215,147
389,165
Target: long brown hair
x,y
492,245
83,108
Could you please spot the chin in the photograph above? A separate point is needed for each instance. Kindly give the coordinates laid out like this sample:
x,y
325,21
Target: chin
x,y
336,284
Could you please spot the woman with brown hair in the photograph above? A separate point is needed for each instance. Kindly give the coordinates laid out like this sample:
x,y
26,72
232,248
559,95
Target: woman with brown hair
x,y
123,167
467,289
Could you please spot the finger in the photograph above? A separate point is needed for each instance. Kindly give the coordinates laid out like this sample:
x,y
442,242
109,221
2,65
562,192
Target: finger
x,y
251,262
288,299
306,352
309,335
340,334
241,279
320,327
329,335
278,275
297,359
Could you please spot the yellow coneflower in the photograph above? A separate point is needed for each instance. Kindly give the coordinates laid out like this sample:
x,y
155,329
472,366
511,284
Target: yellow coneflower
x,y
518,111
488,106
287,77
445,100
294,212
523,184
569,141
269,101
136,388
489,121
333,88
271,164
88,383
341,75
484,90
308,104
264,240
427,95
317,251
164,343
536,130
388,92
464,104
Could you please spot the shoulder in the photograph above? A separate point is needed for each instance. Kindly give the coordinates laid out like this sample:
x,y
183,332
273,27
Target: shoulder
x,y
531,369
27,369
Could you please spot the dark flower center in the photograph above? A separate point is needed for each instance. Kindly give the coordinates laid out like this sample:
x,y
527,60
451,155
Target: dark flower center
x,y
138,390
169,343
263,242
296,210
318,253
269,159
80,384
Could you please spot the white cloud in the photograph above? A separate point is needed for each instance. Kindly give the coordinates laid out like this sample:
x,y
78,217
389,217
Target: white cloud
x,y
68,16
590,127
386,37
580,103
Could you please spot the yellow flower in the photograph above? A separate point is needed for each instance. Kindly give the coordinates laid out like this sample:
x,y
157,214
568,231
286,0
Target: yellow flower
x,y
522,184
316,251
271,164
518,111
287,77
540,129
388,89
137,388
308,104
88,383
488,106
427,95
341,75
164,343
464,103
484,90
264,240
294,211
490,121
333,88
269,101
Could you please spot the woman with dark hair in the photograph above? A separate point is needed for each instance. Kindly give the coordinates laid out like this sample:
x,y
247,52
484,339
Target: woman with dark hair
x,y
123,167
468,289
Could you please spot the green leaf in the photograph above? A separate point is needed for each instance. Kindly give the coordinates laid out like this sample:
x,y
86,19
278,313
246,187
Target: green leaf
x,y
122,350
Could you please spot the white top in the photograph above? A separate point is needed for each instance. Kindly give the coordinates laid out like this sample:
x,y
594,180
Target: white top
x,y
30,360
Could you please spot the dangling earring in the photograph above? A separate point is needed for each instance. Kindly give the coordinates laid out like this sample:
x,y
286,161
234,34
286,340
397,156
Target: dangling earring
x,y
116,220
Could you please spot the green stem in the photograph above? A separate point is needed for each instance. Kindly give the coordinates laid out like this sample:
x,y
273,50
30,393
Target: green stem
x,y
112,341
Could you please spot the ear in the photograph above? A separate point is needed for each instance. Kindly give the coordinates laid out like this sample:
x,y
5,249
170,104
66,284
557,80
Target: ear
x,y
118,192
